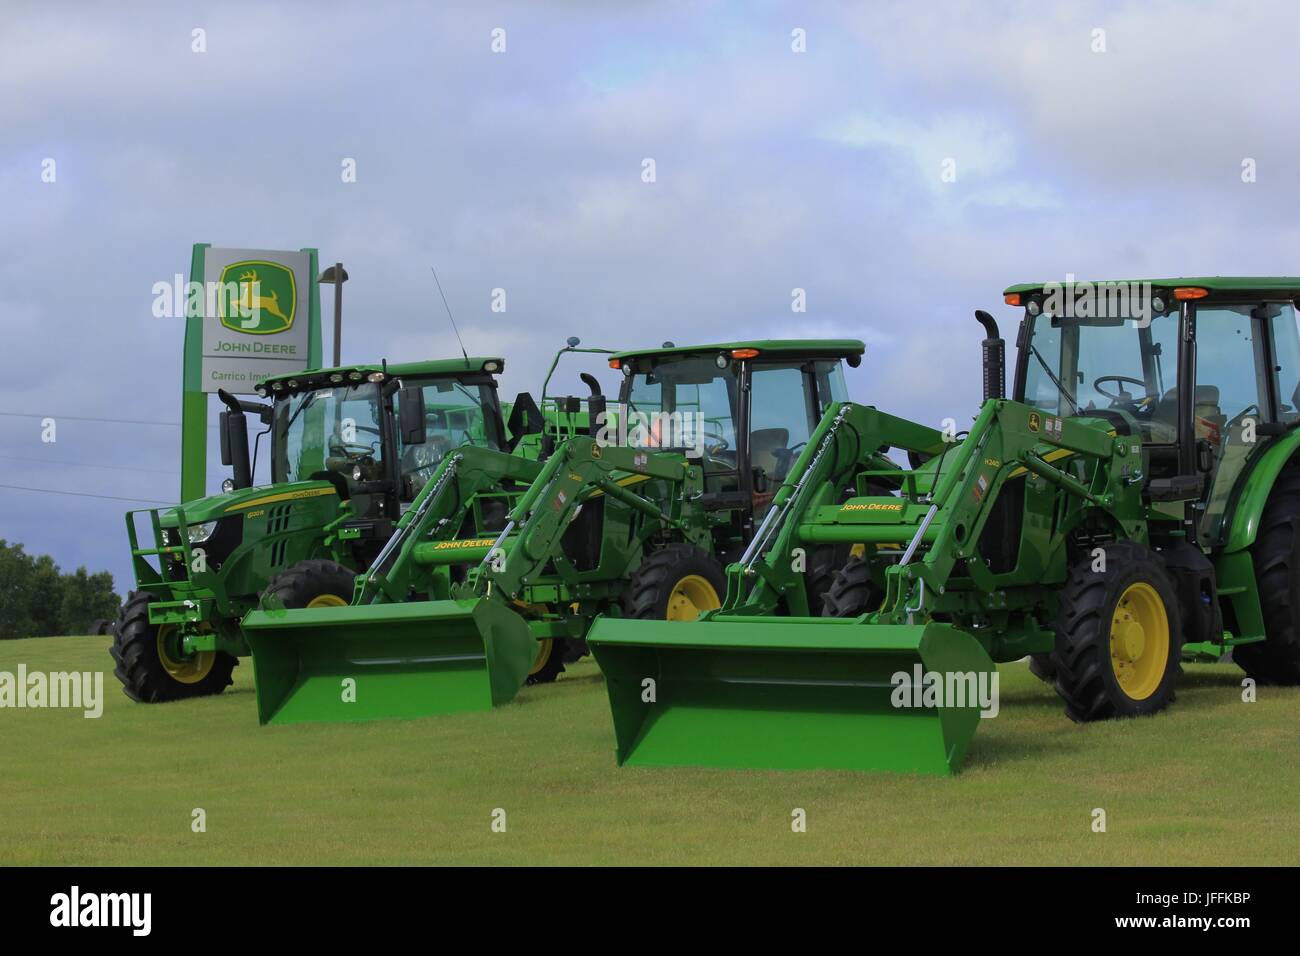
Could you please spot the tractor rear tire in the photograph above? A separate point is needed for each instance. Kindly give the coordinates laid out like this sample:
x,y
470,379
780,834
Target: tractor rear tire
x,y
312,583
675,583
139,663
852,592
1119,636
1276,554
550,661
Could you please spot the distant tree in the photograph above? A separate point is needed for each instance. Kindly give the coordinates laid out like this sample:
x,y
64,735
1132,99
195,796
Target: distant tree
x,y
37,600
86,598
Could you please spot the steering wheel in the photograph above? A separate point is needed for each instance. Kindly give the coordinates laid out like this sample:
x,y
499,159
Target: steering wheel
x,y
1123,396
351,450
715,443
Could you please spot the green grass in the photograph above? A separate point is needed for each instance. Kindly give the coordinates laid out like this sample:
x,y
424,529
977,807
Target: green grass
x,y
1212,780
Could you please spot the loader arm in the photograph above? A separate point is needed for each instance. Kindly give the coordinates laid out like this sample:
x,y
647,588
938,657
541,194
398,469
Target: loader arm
x,y
580,468
436,515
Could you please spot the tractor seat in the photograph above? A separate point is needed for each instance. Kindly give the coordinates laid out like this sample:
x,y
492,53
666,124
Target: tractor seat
x,y
1206,413
763,446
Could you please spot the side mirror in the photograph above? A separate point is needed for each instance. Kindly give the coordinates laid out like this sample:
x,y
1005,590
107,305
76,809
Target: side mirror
x,y
410,415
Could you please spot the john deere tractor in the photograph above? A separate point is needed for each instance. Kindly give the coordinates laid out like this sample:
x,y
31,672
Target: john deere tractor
x,y
1134,504
494,575
349,449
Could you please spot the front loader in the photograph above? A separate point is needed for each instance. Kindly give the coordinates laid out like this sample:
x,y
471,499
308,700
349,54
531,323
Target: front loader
x,y
495,573
1107,534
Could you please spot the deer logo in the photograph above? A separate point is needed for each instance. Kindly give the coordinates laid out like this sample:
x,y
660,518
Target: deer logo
x,y
252,304
260,297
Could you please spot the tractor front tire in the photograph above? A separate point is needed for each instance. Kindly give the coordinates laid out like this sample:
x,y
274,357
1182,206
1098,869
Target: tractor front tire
x,y
1041,666
675,583
550,661
312,583
1276,554
149,664
852,591
1118,636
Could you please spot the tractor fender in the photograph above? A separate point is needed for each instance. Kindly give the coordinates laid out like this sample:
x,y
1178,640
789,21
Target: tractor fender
x,y
1255,490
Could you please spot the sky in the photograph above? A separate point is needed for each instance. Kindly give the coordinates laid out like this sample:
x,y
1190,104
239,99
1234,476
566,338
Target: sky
x,y
902,163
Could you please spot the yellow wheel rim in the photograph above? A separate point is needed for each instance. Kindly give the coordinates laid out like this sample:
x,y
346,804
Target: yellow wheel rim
x,y
181,668
327,600
691,596
1139,641
544,649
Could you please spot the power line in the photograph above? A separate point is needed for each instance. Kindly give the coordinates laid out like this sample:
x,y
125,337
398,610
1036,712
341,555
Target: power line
x,y
84,418
87,464
85,494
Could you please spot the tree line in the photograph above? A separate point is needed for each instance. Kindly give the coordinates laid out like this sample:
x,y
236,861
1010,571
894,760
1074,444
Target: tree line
x,y
39,600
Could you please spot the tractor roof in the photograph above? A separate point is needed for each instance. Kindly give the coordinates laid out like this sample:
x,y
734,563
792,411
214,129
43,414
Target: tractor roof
x,y
435,367
840,348
1220,287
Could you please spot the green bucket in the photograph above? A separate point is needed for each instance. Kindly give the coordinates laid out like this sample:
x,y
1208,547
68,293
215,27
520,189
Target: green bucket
x,y
790,693
379,661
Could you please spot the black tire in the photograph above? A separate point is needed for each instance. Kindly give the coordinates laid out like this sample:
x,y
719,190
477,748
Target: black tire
x,y
297,586
852,592
140,667
652,592
1085,677
1276,554
550,661
824,563
1041,666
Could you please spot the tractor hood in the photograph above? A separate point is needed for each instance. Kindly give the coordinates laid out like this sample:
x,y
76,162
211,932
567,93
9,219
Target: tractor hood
x,y
244,500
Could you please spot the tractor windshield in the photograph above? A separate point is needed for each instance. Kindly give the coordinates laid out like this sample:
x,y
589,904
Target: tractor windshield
x,y
1074,366
328,430
456,413
686,404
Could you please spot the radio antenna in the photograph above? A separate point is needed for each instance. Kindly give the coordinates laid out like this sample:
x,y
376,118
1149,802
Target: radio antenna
x,y
449,315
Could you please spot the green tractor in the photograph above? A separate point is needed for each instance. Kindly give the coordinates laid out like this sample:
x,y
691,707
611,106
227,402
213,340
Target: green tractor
x,y
1133,505
497,570
349,449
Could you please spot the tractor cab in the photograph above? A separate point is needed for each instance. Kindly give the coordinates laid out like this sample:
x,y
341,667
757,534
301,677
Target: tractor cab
x,y
743,410
377,433
1202,370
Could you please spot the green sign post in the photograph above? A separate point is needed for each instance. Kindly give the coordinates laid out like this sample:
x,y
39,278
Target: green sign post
x,y
259,316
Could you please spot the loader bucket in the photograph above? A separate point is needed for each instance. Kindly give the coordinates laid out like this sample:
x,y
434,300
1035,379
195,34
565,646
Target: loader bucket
x,y
406,660
788,693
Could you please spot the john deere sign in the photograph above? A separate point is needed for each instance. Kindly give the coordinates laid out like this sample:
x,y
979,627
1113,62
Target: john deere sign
x,y
254,332
260,317
257,297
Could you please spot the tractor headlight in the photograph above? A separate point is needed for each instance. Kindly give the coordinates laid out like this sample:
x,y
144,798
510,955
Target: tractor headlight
x,y
356,473
201,532
228,485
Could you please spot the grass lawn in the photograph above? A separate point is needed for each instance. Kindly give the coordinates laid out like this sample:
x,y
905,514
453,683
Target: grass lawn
x,y
1212,780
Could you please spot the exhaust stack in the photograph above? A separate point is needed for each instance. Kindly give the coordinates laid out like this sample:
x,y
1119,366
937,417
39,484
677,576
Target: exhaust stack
x,y
995,358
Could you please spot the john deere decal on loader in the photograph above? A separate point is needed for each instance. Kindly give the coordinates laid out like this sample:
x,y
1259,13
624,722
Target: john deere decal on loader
x,y
497,570
1105,533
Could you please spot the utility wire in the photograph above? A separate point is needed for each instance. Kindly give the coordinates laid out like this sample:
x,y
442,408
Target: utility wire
x,y
85,494
87,464
85,418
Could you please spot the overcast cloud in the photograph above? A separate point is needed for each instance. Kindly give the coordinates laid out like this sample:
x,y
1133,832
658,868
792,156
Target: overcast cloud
x,y
775,170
